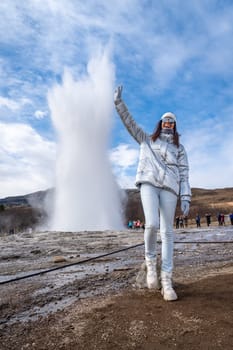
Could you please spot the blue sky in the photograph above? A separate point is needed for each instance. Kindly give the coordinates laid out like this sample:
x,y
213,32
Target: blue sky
x,y
169,56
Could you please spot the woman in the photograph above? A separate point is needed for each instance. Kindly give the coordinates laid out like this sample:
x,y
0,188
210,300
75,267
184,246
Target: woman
x,y
162,176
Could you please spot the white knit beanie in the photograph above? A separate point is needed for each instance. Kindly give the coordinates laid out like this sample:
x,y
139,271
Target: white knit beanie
x,y
169,115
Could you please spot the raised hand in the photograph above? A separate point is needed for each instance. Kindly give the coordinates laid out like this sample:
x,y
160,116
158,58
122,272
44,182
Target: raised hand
x,y
117,94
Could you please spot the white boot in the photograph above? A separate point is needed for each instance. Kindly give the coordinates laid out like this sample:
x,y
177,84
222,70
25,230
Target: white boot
x,y
167,290
151,274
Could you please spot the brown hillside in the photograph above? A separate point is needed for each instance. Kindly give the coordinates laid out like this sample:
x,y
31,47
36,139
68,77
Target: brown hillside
x,y
22,216
203,201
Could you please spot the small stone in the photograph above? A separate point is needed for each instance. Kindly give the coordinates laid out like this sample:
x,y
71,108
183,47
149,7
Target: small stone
x,y
59,259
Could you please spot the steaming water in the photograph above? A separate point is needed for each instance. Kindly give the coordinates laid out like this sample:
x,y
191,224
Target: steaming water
x,y
87,196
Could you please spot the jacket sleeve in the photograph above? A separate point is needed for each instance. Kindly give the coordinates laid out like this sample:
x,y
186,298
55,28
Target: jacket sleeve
x,y
185,190
135,131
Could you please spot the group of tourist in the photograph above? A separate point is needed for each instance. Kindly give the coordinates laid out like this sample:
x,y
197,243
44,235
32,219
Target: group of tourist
x,y
220,218
132,224
181,221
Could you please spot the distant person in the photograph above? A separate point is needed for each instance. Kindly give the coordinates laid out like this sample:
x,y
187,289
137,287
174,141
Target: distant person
x,y
186,221
177,221
219,219
162,175
231,218
208,219
181,223
130,224
138,224
222,219
198,220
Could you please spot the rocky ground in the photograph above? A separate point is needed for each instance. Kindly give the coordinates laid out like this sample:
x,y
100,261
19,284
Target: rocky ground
x,y
99,304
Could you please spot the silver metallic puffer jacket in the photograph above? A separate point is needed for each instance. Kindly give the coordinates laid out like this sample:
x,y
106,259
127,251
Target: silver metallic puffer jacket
x,y
161,163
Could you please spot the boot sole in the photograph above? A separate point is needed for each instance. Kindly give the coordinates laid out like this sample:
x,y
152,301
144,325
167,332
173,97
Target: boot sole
x,y
168,299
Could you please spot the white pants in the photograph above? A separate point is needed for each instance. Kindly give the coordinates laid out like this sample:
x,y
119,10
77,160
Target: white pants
x,y
159,207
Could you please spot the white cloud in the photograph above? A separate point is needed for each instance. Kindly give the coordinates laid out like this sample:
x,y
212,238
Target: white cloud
x,y
13,105
40,114
10,104
124,160
125,180
165,42
168,62
209,148
123,156
27,160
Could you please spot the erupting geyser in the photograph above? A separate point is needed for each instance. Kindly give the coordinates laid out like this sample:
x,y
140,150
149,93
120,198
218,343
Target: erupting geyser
x,y
86,196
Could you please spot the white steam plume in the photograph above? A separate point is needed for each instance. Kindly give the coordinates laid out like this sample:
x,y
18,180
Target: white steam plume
x,y
87,196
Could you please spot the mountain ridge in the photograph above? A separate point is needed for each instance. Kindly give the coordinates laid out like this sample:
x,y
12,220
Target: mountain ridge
x,y
29,210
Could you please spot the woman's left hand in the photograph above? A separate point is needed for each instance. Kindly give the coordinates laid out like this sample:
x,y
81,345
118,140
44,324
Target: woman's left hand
x,y
117,94
185,207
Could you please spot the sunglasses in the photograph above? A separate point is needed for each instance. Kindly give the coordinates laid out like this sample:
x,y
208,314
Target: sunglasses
x,y
168,123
